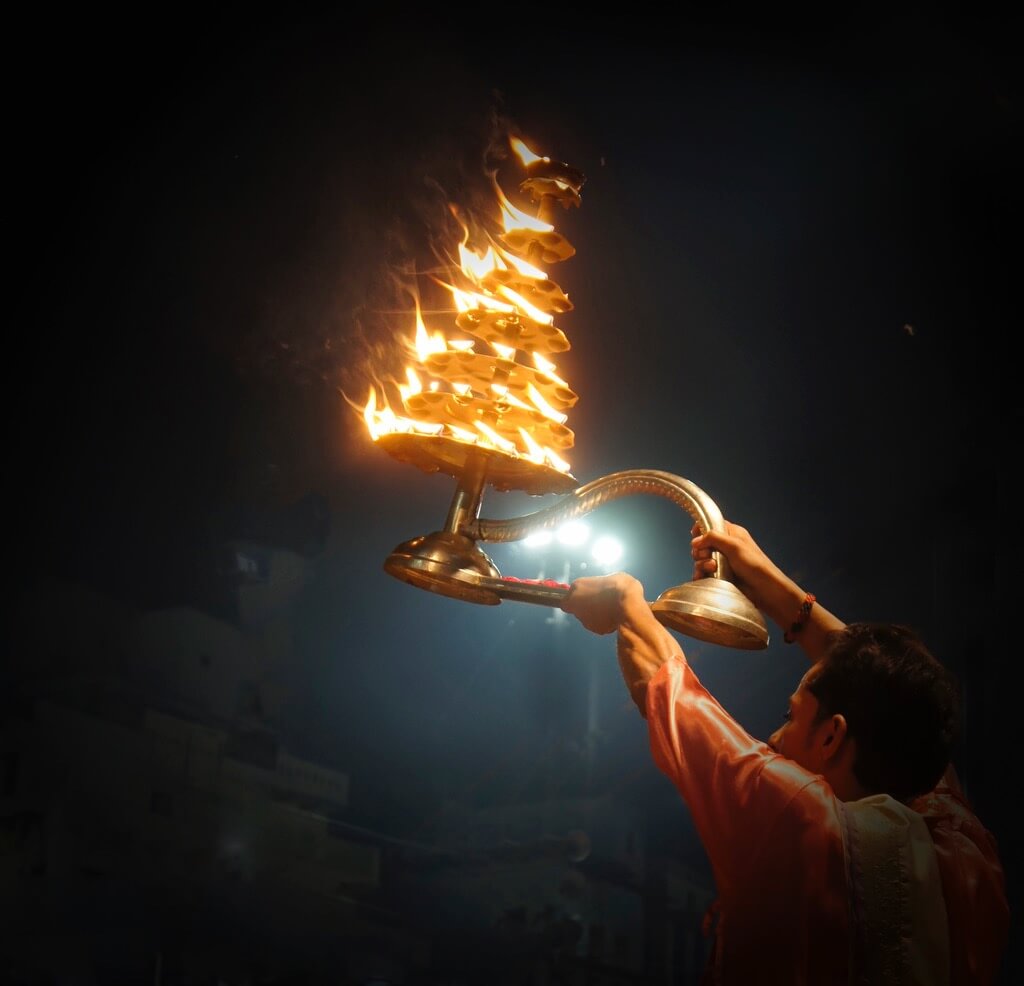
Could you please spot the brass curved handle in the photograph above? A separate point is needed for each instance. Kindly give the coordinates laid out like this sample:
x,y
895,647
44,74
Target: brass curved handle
x,y
450,562
614,486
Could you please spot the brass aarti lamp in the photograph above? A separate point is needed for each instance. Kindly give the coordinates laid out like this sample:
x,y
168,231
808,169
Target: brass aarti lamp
x,y
490,420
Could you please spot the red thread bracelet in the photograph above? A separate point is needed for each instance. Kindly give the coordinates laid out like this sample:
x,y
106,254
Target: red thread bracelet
x,y
801,619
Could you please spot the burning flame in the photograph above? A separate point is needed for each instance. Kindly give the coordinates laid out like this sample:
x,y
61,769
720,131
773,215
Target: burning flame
x,y
543,406
383,421
548,369
476,267
532,311
476,394
424,344
524,153
467,301
513,218
523,267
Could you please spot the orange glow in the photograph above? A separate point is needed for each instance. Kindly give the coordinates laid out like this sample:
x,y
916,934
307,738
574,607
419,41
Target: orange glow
x,y
555,460
523,267
543,406
384,421
453,388
513,218
547,368
475,267
466,301
412,387
531,311
501,443
425,344
524,153
533,450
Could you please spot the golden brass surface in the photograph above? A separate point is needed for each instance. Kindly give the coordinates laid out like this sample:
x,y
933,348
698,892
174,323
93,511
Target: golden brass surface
x,y
487,398
432,454
511,329
547,246
542,293
445,563
480,370
712,610
438,407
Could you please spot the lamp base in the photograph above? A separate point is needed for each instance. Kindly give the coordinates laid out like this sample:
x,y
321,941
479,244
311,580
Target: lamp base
x,y
712,610
446,563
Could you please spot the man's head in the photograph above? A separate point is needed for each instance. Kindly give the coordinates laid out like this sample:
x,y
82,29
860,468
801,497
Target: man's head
x,y
878,714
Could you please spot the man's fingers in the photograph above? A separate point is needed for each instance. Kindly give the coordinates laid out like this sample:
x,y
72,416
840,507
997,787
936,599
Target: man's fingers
x,y
712,540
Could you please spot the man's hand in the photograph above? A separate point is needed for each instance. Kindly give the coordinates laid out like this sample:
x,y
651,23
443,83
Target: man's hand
x,y
601,603
764,584
760,579
606,603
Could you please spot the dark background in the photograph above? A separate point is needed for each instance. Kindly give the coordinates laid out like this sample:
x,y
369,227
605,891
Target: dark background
x,y
794,286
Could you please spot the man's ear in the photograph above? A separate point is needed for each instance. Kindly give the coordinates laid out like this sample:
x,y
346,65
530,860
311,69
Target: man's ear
x,y
832,736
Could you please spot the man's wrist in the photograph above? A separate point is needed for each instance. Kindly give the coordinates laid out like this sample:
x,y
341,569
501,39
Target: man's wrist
x,y
800,618
786,603
632,604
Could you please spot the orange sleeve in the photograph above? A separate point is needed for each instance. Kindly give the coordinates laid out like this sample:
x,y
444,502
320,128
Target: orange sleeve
x,y
744,797
973,884
772,832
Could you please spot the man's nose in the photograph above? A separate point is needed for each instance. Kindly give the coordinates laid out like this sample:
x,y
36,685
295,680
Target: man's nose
x,y
773,740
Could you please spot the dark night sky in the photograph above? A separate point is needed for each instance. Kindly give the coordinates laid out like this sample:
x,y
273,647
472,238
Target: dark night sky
x,y
792,287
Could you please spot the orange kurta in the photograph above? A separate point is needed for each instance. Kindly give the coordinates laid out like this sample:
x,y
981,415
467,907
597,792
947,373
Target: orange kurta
x,y
778,844
973,883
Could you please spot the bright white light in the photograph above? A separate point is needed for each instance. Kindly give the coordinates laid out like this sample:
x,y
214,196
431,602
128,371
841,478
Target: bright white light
x,y
606,551
538,539
574,533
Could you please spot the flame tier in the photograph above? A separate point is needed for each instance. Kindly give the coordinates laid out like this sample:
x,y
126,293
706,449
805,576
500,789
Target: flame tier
x,y
504,472
540,188
504,419
541,292
548,247
513,330
553,180
481,372
481,404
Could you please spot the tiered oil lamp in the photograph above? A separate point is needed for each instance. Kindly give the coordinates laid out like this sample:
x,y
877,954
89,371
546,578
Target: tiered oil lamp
x,y
489,419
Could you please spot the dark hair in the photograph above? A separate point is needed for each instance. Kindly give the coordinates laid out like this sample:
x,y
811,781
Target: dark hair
x,y
900,704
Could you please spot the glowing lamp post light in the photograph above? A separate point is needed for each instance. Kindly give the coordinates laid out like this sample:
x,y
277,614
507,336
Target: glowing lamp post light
x,y
486,405
607,551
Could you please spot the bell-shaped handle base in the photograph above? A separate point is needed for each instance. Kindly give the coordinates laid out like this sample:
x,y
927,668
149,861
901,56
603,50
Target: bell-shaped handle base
x,y
713,610
446,563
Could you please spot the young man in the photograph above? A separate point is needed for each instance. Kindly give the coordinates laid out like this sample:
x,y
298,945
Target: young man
x,y
843,850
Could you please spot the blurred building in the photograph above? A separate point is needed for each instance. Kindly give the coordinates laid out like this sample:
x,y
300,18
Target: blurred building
x,y
563,890
155,827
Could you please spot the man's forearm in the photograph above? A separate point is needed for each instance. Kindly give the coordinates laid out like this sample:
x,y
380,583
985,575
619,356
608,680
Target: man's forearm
x,y
644,645
767,586
782,605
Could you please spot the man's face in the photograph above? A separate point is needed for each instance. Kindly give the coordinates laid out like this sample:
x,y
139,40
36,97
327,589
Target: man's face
x,y
795,738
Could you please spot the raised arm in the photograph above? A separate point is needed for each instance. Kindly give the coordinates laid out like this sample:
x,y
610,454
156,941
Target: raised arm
x,y
765,585
607,603
748,803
